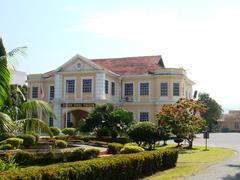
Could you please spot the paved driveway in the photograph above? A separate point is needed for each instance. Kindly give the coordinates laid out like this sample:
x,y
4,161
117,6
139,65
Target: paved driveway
x,y
226,170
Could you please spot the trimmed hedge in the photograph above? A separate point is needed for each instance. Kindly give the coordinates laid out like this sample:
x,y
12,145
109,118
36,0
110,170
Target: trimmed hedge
x,y
28,139
69,131
15,142
131,149
61,143
25,158
114,148
55,131
126,166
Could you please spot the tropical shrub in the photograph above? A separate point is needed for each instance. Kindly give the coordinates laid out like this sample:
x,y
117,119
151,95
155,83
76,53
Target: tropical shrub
x,y
24,157
55,131
125,166
28,139
6,147
103,132
107,117
61,143
15,142
131,149
69,131
144,133
114,148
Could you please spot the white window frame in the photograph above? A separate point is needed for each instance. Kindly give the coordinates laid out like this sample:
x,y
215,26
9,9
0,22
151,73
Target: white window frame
x,y
49,92
65,84
129,82
114,88
106,80
161,89
37,92
139,88
81,84
179,88
143,111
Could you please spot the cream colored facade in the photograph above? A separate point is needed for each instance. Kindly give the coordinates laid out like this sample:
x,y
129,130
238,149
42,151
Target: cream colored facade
x,y
79,72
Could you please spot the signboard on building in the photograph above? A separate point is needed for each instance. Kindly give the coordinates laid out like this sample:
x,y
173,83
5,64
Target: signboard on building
x,y
78,105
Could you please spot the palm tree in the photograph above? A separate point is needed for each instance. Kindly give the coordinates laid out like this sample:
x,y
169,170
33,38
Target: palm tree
x,y
28,123
33,111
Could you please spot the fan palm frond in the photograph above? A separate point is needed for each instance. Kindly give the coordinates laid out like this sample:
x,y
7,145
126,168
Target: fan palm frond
x,y
34,106
33,125
6,124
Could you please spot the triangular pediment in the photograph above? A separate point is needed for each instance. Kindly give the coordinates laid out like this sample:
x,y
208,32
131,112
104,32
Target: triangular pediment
x,y
79,63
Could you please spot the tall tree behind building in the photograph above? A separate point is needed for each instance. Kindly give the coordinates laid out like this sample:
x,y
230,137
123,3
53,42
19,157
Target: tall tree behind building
x,y
214,110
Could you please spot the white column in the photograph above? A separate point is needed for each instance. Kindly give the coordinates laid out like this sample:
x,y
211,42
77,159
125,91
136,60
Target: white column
x,y
100,86
57,100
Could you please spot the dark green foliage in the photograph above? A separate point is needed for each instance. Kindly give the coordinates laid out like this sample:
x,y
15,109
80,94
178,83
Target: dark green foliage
x,y
36,135
15,142
178,140
91,153
115,120
144,133
24,157
61,143
6,136
103,132
13,101
6,147
78,154
8,164
69,131
5,77
28,139
55,131
114,148
131,149
214,110
126,166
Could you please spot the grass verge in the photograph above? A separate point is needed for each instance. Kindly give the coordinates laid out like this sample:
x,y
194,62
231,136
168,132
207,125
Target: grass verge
x,y
191,161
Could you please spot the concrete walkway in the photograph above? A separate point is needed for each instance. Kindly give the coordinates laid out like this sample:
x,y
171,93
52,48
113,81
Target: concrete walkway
x,y
226,170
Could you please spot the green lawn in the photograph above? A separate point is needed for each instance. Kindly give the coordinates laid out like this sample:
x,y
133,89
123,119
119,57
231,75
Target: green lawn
x,y
192,161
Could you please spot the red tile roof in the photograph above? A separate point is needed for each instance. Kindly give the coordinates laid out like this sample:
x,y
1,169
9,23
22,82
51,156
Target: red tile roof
x,y
131,65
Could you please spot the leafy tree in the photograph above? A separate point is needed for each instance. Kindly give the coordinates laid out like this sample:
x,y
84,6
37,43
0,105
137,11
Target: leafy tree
x,y
184,118
144,133
164,123
214,110
116,120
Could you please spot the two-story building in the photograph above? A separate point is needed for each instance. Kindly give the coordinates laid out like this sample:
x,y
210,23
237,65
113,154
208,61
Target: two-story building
x,y
138,84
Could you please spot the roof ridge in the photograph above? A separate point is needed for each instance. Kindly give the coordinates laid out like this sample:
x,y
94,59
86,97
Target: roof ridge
x,y
125,57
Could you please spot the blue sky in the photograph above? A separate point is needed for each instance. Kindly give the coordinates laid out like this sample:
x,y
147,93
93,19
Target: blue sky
x,y
200,35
